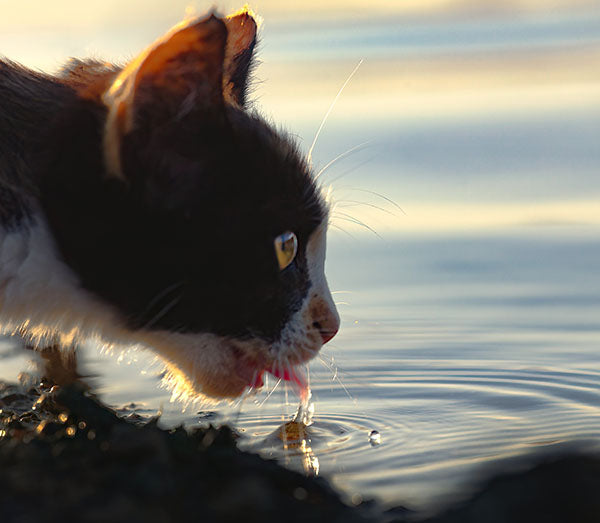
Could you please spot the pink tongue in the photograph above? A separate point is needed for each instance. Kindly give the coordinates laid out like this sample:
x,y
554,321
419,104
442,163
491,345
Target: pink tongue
x,y
255,379
292,374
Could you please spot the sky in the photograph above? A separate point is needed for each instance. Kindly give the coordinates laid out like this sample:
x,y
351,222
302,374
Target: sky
x,y
466,108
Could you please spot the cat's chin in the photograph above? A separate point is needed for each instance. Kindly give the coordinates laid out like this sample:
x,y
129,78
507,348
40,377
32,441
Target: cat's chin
x,y
210,368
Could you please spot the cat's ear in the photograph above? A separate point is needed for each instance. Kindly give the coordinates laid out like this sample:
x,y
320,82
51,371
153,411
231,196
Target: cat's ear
x,y
194,68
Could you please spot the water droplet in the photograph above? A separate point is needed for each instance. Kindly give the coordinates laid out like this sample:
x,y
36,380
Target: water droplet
x,y
374,438
63,417
306,409
314,465
39,402
71,431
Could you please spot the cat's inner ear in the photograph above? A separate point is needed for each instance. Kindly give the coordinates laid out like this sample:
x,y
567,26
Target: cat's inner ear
x,y
195,68
241,40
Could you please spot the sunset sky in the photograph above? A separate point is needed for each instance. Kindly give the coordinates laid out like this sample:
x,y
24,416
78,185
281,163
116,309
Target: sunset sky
x,y
479,114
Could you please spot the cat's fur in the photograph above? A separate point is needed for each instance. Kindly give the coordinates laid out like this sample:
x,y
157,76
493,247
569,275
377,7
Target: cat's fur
x,y
139,205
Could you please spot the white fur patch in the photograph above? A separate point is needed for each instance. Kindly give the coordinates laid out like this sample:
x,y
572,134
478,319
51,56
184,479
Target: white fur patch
x,y
40,297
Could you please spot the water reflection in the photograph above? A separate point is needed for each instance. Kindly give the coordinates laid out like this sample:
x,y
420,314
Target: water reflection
x,y
295,437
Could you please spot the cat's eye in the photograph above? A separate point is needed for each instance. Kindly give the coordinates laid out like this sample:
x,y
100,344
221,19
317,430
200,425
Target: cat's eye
x,y
286,247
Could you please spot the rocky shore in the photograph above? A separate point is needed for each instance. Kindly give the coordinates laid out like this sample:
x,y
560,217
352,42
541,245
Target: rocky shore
x,y
66,457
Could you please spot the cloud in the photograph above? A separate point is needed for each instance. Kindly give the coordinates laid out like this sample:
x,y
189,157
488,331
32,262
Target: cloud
x,y
444,217
96,14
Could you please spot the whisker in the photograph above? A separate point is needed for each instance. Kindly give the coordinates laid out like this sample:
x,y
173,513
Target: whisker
x,y
343,292
286,404
347,217
332,368
357,203
240,404
339,157
342,230
336,377
270,393
254,376
163,311
379,196
161,295
324,120
340,303
352,169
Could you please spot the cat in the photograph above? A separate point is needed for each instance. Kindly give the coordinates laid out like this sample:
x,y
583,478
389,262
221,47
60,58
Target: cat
x,y
148,205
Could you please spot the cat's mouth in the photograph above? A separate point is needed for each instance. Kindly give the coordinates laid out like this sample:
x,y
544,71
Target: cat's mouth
x,y
253,373
211,367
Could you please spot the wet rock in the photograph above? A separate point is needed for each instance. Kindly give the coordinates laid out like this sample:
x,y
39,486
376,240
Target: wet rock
x,y
73,459
79,461
560,489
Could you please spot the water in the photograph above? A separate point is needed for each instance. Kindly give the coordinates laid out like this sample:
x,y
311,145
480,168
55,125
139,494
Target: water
x,y
458,351
470,328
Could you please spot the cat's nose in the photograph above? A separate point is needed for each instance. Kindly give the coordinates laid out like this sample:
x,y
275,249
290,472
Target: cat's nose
x,y
327,322
327,334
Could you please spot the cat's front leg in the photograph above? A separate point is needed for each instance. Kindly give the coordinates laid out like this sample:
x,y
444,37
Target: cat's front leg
x,y
59,366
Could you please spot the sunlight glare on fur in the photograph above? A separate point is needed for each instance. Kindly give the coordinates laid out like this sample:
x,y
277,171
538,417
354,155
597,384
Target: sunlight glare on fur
x,y
247,10
182,390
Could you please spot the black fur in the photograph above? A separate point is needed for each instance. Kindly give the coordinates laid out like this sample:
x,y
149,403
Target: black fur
x,y
29,102
184,240
194,224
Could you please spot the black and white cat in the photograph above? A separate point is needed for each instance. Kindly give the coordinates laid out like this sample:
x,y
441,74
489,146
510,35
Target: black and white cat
x,y
146,205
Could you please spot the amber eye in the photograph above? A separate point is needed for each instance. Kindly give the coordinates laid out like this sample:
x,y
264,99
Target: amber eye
x,y
286,247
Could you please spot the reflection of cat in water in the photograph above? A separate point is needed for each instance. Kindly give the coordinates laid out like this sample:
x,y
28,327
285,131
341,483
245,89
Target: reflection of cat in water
x,y
146,205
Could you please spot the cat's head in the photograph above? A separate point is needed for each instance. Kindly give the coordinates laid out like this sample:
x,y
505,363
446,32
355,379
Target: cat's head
x,y
189,216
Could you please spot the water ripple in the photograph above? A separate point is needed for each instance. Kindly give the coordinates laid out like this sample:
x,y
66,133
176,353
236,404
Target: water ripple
x,y
439,423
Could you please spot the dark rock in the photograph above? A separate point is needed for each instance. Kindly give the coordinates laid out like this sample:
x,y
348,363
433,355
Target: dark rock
x,y
83,463
73,459
560,489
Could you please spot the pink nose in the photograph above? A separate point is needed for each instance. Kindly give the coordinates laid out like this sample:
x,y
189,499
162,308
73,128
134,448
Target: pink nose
x,y
327,335
327,323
